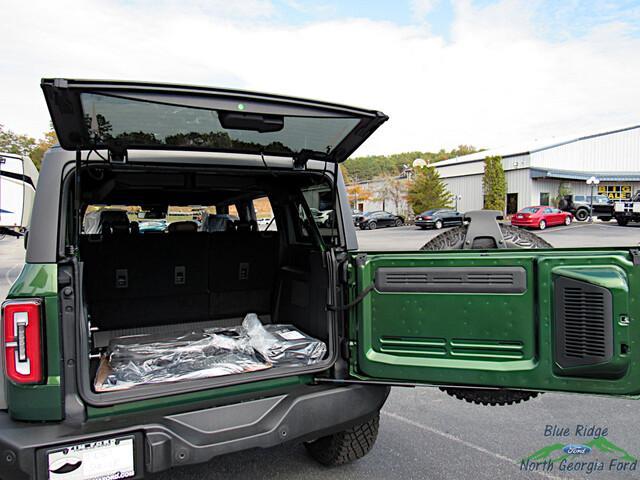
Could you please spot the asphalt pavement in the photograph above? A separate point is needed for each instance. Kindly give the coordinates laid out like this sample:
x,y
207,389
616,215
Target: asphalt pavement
x,y
424,433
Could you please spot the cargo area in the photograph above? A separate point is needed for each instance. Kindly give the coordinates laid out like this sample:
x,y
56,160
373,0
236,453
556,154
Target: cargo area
x,y
193,279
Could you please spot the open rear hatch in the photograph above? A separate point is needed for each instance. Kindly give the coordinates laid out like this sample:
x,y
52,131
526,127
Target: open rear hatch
x,y
118,116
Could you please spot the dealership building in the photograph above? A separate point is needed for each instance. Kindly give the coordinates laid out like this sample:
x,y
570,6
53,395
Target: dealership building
x,y
535,172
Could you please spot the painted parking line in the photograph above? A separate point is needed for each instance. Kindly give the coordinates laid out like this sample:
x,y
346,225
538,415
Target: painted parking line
x,y
466,443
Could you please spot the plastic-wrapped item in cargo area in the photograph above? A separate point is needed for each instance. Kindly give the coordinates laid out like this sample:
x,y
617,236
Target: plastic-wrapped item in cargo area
x,y
283,344
212,352
146,359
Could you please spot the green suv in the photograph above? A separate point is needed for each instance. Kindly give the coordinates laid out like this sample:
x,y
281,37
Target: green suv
x,y
486,312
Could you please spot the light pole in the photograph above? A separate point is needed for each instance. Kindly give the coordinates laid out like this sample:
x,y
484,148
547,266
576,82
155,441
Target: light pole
x,y
592,181
458,197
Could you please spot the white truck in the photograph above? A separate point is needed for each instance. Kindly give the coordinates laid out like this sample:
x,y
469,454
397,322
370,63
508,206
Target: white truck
x,y
18,180
625,211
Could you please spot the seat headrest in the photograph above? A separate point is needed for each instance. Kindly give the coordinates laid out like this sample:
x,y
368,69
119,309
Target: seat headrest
x,y
182,226
217,223
114,221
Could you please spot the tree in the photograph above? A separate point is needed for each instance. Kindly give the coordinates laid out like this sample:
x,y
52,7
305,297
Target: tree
x,y
564,189
427,190
494,184
49,140
391,189
11,142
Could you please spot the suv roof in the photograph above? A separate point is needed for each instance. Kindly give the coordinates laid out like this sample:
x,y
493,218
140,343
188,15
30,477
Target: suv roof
x,y
119,116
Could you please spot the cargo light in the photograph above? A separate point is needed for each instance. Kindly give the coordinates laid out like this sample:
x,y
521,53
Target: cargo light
x,y
22,338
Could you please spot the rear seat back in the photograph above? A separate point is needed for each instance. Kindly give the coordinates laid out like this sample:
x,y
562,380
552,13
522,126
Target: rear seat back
x,y
146,279
143,280
242,272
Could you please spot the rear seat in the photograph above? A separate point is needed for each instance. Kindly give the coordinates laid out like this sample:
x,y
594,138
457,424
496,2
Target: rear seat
x,y
144,280
242,271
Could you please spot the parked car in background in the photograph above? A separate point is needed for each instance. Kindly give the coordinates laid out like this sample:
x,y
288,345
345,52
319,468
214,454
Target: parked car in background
x,y
541,217
380,218
438,218
321,217
580,206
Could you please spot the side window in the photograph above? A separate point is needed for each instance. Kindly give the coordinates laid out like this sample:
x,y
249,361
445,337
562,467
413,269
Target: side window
x,y
264,214
547,210
319,199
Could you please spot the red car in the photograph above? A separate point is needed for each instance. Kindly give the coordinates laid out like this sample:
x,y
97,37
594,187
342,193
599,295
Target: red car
x,y
541,217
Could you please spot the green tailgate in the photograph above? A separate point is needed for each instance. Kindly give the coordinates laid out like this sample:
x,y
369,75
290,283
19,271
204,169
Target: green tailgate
x,y
532,319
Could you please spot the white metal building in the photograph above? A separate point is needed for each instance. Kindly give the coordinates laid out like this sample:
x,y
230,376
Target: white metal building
x,y
535,172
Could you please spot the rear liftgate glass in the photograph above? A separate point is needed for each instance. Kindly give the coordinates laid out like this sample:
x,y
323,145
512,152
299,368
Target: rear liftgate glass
x,y
542,320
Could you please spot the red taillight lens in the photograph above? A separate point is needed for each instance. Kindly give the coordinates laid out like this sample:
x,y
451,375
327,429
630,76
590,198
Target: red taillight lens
x,y
427,217
22,340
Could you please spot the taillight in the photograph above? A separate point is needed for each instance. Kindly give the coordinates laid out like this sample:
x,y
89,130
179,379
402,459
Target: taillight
x,y
427,217
22,340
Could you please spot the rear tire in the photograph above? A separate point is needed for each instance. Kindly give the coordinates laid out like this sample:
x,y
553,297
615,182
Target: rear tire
x,y
372,225
346,446
398,222
582,214
542,225
514,237
567,220
438,225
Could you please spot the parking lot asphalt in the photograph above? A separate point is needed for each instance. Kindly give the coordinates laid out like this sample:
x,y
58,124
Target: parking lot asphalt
x,y
424,433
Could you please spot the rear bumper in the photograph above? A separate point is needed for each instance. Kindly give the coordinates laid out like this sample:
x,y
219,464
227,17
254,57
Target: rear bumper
x,y
521,223
424,223
197,436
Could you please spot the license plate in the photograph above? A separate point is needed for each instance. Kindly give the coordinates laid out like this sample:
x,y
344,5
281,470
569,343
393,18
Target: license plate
x,y
110,459
519,216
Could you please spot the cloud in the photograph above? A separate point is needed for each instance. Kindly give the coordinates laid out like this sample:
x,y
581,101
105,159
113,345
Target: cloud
x,y
495,81
420,8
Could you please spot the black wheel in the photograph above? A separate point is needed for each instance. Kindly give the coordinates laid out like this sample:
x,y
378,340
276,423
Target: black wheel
x,y
346,446
582,214
372,225
398,222
438,225
622,221
514,237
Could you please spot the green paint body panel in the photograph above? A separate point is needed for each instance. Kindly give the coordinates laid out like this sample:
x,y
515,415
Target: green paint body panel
x,y
40,402
492,339
267,386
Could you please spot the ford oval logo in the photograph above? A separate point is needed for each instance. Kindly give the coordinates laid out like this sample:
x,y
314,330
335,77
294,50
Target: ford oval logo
x,y
576,449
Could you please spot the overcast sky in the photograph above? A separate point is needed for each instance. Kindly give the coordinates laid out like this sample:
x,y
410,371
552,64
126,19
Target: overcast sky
x,y
486,73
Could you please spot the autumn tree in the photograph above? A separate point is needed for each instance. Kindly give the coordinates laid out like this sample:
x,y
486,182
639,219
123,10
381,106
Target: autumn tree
x,y
19,144
494,184
427,190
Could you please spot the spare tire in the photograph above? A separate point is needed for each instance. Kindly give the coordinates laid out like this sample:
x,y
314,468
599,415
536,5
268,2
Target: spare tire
x,y
514,237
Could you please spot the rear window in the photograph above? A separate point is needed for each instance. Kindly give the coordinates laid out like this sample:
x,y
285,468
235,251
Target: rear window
x,y
529,210
144,124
